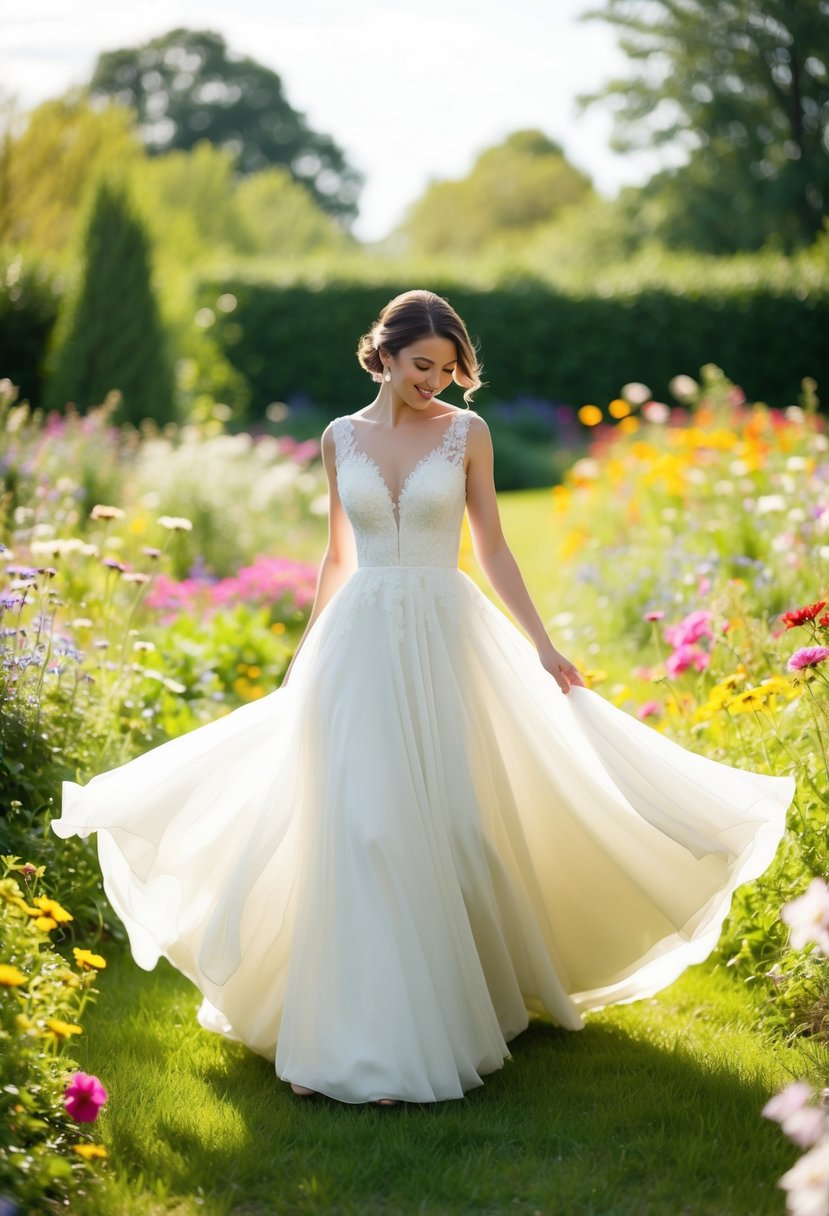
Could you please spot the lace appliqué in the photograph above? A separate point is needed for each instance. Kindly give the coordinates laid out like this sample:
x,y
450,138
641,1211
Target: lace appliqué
x,y
408,596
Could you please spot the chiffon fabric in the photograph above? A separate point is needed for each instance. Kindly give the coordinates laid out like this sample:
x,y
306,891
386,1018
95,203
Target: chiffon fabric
x,y
375,874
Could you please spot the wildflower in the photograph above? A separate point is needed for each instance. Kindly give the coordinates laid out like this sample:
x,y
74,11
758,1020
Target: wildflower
x,y
656,615
684,388
81,622
85,1095
686,656
808,916
690,629
807,1182
11,977
590,415
62,1030
136,576
102,511
151,551
656,411
89,1151
175,523
807,656
649,709
787,1101
52,908
799,616
85,958
113,563
636,393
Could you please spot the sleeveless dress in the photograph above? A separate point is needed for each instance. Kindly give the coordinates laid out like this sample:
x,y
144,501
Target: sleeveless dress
x,y
375,874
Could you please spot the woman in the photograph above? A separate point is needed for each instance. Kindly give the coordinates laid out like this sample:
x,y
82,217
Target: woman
x,y
375,874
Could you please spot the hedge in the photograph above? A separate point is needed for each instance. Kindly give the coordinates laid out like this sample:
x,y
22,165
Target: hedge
x,y
296,343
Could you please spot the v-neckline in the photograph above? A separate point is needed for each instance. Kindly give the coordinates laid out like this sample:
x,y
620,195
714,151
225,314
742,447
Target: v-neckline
x,y
395,505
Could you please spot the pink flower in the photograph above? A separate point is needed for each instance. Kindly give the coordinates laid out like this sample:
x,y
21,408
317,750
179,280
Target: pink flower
x,y
694,626
686,656
85,1095
649,709
791,1099
656,615
805,1126
807,656
808,916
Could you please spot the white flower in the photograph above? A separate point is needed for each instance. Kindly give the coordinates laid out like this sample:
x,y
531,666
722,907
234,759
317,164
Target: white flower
x,y
656,411
102,510
808,916
807,1183
770,502
176,523
805,1126
636,393
683,387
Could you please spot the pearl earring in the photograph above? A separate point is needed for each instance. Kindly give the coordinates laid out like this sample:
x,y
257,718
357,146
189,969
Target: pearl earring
x,y
387,375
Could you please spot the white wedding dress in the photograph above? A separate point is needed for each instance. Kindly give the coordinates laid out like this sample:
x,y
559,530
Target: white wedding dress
x,y
374,873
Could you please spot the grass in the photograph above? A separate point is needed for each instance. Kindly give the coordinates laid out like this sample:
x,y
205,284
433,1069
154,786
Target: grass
x,y
654,1108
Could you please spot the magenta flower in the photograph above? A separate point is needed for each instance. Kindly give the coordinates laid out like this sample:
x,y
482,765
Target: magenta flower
x,y
686,656
649,709
656,615
694,626
85,1095
807,656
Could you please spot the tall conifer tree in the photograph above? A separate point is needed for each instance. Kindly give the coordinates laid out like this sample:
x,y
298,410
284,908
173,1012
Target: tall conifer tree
x,y
111,335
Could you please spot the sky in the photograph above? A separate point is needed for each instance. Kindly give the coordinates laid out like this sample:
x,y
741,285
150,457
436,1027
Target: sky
x,y
411,92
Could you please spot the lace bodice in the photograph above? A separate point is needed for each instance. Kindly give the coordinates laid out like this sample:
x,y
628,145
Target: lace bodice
x,y
423,528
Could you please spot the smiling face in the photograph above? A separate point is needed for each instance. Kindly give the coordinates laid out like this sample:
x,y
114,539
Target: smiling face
x,y
421,371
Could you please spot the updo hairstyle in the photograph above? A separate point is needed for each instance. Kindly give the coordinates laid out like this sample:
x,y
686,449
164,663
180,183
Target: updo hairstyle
x,y
418,314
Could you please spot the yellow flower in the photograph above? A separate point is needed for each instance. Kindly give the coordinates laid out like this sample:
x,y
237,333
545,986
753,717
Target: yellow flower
x,y
590,415
46,924
62,1030
88,1151
85,958
52,908
618,408
11,977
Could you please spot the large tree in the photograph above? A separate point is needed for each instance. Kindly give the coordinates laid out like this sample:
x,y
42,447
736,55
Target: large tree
x,y
511,188
743,87
186,86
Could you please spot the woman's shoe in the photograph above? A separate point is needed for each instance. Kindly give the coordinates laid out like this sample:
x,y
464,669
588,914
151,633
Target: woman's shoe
x,y
386,1102
301,1091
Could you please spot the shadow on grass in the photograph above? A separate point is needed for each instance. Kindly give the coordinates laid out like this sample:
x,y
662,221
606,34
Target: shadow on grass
x,y
604,1120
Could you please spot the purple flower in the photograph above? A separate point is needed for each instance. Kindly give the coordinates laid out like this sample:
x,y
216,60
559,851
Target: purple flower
x,y
807,656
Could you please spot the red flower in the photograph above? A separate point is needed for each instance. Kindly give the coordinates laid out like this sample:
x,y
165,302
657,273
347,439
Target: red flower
x,y
801,615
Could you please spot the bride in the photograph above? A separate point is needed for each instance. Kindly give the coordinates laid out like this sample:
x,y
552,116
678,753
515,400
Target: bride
x,y
432,830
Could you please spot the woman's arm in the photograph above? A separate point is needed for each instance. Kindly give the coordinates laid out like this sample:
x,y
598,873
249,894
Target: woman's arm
x,y
339,559
496,558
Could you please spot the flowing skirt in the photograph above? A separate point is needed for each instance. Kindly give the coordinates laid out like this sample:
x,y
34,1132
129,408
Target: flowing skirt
x,y
376,873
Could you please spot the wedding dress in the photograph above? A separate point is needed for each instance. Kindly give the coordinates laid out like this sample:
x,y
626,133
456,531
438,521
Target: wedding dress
x,y
376,873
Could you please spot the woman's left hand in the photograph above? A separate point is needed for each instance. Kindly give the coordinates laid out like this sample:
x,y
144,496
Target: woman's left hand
x,y
565,673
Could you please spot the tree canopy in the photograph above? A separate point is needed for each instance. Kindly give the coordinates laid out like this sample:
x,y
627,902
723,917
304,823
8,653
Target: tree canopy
x,y
743,87
511,187
187,86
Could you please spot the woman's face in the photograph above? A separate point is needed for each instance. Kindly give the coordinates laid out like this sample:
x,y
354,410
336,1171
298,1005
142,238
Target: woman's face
x,y
422,371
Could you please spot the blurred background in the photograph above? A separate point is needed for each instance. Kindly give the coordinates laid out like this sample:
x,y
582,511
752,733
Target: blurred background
x,y
606,193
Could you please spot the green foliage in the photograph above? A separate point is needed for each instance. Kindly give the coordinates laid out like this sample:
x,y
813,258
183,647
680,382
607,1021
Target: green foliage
x,y
29,302
42,1000
742,87
512,187
52,167
205,92
110,335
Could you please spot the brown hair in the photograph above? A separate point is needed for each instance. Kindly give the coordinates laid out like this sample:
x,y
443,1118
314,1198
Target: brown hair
x,y
413,315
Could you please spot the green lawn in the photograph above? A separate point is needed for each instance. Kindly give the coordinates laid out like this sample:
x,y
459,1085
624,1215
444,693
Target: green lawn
x,y
653,1108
